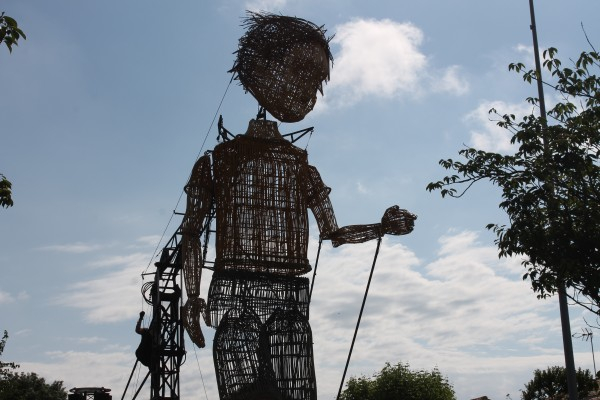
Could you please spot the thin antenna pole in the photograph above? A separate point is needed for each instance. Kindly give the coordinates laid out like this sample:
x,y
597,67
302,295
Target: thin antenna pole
x,y
362,307
593,356
562,296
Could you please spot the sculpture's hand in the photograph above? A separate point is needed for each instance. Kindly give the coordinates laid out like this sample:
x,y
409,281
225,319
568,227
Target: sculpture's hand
x,y
396,221
190,313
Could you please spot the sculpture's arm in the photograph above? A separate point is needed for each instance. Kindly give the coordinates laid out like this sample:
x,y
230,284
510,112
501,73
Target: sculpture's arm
x,y
199,197
395,221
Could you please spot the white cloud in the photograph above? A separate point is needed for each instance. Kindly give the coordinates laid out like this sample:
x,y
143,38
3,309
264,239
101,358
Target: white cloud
x,y
526,49
24,332
23,295
361,188
459,312
128,259
90,340
6,298
377,57
464,311
486,134
150,240
451,81
86,369
265,5
112,297
78,247
382,58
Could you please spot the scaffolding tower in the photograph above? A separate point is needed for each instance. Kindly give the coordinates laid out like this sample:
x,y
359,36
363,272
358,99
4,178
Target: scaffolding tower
x,y
168,349
163,293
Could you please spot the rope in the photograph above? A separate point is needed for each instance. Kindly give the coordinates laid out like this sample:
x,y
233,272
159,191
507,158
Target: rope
x,y
182,191
160,241
308,142
136,384
154,254
362,307
131,376
200,370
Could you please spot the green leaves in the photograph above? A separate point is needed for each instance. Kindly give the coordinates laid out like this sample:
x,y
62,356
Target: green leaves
x,y
552,383
26,386
5,192
550,185
6,368
10,33
400,382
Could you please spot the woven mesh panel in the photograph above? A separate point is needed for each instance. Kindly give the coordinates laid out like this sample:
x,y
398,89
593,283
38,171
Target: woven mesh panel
x,y
190,317
262,191
283,62
264,361
236,356
290,340
263,294
198,204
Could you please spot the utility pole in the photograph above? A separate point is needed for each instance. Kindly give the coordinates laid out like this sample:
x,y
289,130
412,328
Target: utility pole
x,y
562,295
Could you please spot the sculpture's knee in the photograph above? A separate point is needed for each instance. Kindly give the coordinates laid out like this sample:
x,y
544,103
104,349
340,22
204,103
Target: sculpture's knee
x,y
241,356
290,339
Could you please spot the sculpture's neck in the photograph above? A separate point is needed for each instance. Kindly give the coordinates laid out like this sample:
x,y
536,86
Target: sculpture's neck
x,y
263,129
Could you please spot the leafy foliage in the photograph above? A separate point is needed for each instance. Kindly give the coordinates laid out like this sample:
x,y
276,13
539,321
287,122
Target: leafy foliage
x,y
10,33
550,185
5,367
5,192
26,386
552,383
399,382
30,386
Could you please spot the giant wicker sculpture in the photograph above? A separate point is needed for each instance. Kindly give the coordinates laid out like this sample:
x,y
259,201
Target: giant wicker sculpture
x,y
259,187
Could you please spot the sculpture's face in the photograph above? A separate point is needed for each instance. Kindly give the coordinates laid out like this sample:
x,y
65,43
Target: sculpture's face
x,y
287,86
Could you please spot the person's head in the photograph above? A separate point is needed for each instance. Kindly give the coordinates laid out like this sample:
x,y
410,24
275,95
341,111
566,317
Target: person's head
x,y
283,61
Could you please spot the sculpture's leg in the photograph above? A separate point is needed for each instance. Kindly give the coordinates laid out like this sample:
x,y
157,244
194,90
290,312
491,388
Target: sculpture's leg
x,y
241,357
290,338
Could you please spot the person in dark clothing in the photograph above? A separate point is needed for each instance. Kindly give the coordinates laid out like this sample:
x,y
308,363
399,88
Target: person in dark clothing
x,y
144,350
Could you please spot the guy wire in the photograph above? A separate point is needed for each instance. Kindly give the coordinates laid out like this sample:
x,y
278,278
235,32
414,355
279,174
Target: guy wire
x,y
182,190
200,370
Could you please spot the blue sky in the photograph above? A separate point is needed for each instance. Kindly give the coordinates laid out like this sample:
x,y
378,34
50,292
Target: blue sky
x,y
106,105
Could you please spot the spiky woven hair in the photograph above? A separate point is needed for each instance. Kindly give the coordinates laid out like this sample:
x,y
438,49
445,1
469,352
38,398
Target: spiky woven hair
x,y
271,43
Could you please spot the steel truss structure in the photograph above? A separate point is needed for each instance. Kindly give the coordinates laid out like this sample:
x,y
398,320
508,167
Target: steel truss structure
x,y
168,348
167,332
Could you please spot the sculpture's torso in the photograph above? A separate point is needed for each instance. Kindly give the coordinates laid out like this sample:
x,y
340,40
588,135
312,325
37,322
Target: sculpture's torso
x,y
260,193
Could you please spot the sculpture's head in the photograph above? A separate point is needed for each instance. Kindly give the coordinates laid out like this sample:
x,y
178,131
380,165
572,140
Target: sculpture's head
x,y
283,61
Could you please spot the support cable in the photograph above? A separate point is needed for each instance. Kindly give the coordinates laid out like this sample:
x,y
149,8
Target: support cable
x,y
129,380
182,191
362,307
312,283
200,370
141,386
